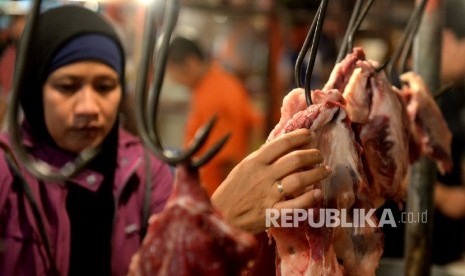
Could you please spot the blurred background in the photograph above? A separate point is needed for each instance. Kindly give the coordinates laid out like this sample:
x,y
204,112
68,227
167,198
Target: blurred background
x,y
256,40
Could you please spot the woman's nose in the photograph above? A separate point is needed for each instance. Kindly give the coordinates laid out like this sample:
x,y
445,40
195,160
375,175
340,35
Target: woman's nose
x,y
87,102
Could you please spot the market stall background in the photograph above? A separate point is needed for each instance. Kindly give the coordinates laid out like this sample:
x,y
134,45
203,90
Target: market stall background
x,y
256,40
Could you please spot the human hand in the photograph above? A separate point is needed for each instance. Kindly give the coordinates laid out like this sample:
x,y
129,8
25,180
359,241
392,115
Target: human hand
x,y
452,69
450,200
251,187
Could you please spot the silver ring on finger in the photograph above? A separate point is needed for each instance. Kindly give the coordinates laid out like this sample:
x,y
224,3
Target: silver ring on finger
x,y
280,187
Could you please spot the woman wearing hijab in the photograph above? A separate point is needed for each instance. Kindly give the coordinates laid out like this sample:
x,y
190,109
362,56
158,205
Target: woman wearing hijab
x,y
93,220
92,223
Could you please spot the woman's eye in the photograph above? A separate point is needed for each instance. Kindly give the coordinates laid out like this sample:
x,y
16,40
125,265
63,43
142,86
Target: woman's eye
x,y
105,86
67,87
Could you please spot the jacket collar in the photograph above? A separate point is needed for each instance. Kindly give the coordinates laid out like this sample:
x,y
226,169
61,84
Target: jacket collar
x,y
127,162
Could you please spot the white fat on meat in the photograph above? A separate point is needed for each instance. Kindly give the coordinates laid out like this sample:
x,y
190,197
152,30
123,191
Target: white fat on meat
x,y
357,93
342,71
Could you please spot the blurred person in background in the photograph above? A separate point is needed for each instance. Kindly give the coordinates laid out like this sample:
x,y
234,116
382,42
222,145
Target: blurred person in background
x,y
214,92
449,226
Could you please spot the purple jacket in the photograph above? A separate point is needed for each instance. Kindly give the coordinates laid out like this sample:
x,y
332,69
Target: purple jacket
x,y
24,251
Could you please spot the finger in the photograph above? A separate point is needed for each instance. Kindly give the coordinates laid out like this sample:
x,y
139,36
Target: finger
x,y
297,183
295,161
304,201
284,144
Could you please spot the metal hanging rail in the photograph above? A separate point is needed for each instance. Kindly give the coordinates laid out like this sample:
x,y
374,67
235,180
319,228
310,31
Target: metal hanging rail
x,y
426,62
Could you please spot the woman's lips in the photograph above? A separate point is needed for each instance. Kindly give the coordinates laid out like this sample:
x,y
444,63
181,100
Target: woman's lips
x,y
88,131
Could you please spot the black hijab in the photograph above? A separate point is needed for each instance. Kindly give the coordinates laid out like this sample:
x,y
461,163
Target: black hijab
x,y
55,29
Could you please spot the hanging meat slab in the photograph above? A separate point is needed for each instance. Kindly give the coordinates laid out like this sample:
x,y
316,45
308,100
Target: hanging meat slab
x,y
385,140
307,250
430,133
380,122
191,238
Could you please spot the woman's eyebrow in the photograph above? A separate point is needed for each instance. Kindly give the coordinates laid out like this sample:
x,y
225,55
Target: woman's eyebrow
x,y
107,76
67,77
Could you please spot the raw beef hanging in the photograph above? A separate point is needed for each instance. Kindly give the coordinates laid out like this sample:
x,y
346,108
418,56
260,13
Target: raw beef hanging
x,y
190,238
325,250
364,129
385,141
430,134
380,123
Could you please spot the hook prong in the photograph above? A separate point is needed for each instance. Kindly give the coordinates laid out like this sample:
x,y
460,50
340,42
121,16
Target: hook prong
x,y
353,18
304,50
357,24
38,168
211,153
310,45
402,50
314,50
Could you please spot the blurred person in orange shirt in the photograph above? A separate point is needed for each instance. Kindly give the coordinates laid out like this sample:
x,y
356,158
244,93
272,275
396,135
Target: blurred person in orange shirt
x,y
214,92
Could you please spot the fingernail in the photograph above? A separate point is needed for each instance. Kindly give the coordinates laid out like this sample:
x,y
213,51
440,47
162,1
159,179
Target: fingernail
x,y
317,194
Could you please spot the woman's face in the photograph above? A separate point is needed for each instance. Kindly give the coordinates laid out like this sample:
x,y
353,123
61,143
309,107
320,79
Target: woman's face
x,y
81,104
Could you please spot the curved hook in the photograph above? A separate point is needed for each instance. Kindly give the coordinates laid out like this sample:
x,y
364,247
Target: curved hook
x,y
304,50
402,51
169,23
345,40
357,24
311,42
356,19
38,168
147,113
149,39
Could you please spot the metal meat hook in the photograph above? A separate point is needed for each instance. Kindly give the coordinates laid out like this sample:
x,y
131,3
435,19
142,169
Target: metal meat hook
x,y
356,19
404,48
38,168
147,99
402,51
311,43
